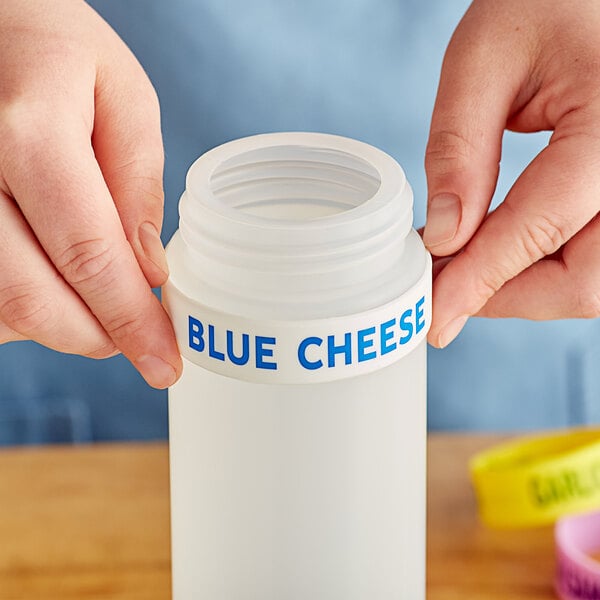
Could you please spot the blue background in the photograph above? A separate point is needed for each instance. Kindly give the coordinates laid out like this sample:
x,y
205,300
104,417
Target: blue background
x,y
367,69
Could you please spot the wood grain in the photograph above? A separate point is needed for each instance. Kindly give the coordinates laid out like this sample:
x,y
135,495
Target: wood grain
x,y
465,559
85,522
91,522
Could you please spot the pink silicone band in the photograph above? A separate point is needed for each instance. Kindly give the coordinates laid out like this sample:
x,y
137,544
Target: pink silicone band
x,y
578,574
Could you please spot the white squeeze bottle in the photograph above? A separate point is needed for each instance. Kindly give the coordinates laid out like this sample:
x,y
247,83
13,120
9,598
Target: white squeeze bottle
x,y
301,299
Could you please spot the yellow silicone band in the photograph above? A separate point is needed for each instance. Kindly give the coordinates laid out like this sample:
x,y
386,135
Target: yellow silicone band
x,y
535,480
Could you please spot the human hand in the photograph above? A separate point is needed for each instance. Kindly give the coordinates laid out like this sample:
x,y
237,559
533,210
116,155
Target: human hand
x,y
80,190
523,66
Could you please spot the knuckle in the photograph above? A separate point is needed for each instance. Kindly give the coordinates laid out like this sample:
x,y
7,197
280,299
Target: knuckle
x,y
16,119
140,178
124,326
90,261
27,130
23,120
448,150
25,309
488,283
488,278
542,236
22,130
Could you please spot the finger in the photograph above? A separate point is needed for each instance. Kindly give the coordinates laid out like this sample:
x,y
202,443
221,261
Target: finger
x,y
64,198
128,146
439,264
35,302
479,87
561,288
9,335
554,198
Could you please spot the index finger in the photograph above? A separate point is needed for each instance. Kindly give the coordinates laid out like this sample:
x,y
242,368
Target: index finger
x,y
60,189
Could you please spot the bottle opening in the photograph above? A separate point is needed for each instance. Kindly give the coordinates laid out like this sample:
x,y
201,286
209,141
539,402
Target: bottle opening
x,y
296,182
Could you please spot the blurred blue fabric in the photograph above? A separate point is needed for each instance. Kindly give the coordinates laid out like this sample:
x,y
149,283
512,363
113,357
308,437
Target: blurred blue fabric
x,y
367,69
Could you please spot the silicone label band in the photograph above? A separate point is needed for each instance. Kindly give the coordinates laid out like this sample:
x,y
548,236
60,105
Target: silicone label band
x,y
311,351
534,481
578,574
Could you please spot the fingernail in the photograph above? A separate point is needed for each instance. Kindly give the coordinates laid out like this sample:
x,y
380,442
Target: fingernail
x,y
443,217
156,371
152,247
451,330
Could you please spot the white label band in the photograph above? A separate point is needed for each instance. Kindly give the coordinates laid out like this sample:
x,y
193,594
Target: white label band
x,y
310,351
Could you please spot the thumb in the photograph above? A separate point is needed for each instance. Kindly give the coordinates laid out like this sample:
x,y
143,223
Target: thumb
x,y
479,82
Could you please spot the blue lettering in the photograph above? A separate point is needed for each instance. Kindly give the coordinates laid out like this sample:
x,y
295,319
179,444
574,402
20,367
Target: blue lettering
x,y
419,317
386,335
345,349
364,343
406,325
212,352
262,352
195,331
309,364
238,360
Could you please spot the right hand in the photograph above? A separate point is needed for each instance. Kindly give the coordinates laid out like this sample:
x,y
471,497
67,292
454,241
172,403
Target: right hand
x,y
525,66
81,195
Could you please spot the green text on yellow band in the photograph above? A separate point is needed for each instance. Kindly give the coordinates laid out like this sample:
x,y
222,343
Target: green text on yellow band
x,y
535,480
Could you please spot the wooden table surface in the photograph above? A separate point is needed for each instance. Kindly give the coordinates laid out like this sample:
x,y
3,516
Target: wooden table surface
x,y
91,522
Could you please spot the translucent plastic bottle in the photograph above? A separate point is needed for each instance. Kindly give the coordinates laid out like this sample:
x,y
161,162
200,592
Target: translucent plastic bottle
x,y
300,295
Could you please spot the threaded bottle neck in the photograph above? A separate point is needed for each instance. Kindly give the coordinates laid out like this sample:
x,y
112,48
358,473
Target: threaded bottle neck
x,y
297,225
